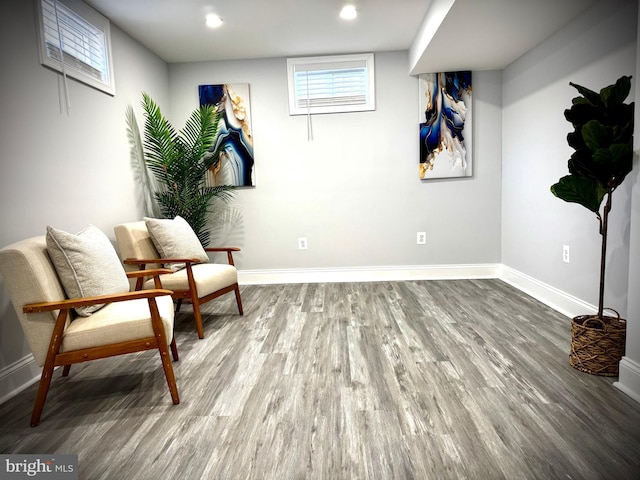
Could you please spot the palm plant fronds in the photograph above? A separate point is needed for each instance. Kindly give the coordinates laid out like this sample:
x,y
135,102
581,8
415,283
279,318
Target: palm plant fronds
x,y
180,161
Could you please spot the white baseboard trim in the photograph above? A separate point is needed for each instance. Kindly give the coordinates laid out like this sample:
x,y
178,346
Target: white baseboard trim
x,y
557,299
366,274
18,376
629,378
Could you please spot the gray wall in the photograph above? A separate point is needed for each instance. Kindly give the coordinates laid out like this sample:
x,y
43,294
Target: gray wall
x,y
354,190
593,51
58,169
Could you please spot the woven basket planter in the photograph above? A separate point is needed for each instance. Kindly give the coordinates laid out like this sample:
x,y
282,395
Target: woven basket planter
x,y
597,345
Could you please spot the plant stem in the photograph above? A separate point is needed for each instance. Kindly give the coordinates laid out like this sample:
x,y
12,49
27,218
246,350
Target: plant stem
x,y
603,255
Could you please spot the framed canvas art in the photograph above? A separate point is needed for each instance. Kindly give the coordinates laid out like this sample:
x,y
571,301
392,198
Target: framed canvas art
x,y
236,162
445,124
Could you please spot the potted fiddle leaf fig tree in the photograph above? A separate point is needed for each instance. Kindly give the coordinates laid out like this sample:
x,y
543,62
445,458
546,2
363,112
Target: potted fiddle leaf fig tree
x,y
180,162
603,142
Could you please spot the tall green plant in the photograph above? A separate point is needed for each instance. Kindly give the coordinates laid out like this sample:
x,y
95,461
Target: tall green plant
x,y
603,142
180,160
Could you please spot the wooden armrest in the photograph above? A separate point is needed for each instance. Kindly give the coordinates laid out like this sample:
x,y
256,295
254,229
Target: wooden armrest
x,y
138,261
229,251
148,273
221,249
141,261
85,302
152,272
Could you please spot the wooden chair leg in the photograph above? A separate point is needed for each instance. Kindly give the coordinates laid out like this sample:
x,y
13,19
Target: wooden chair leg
x,y
41,396
195,300
174,349
168,372
198,318
47,369
65,370
238,299
158,330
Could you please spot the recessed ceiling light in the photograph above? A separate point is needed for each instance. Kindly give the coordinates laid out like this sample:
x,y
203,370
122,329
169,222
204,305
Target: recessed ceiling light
x,y
213,21
348,12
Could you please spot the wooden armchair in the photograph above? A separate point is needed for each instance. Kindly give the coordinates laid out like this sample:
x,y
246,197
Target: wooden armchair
x,y
128,322
198,281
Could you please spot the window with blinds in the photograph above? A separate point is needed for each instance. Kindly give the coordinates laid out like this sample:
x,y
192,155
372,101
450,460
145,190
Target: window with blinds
x,y
75,40
331,84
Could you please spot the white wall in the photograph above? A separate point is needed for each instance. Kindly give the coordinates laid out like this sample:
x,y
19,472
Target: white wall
x,y
59,169
354,190
594,51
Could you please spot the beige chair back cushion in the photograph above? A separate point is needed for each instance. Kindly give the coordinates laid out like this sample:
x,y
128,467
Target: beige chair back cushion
x,y
30,277
134,241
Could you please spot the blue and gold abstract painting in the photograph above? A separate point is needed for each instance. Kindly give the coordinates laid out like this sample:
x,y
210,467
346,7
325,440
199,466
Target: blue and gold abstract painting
x,y
445,124
235,165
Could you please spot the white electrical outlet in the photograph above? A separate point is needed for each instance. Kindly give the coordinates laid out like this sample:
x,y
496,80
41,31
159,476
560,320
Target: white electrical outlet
x,y
565,253
302,243
421,238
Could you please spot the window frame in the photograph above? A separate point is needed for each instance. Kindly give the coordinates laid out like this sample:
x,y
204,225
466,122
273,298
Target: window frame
x,y
368,105
92,18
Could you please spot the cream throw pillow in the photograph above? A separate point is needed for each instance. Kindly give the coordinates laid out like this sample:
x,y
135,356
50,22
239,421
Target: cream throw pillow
x,y
175,239
87,265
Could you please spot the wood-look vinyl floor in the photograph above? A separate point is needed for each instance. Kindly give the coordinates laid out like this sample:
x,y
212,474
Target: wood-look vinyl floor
x,y
464,379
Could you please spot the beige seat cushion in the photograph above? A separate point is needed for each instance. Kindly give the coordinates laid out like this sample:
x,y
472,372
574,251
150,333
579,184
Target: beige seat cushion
x,y
209,277
118,322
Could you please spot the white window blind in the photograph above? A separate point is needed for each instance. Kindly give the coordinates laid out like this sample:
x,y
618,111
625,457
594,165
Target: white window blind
x,y
83,46
331,84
